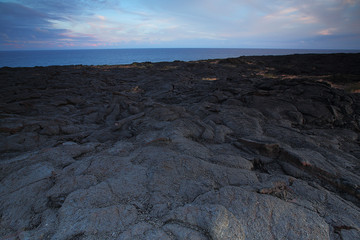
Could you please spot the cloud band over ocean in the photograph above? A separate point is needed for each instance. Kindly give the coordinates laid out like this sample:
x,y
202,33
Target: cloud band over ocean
x,y
76,24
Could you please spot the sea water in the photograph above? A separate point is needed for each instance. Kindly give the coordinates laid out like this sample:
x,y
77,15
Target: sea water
x,y
126,56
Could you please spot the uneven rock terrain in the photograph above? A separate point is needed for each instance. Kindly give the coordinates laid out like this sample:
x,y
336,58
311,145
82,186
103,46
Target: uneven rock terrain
x,y
244,148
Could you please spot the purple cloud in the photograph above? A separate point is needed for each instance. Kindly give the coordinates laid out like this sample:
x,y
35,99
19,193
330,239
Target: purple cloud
x,y
22,26
188,23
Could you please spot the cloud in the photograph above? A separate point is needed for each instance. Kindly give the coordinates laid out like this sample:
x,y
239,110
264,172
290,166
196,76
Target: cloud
x,y
257,20
327,32
22,26
196,23
102,18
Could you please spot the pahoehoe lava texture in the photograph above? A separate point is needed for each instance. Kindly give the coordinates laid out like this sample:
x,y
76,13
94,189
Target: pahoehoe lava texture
x,y
244,148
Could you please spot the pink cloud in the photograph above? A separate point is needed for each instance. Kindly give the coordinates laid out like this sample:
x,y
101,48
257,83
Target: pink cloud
x,y
327,32
94,44
102,18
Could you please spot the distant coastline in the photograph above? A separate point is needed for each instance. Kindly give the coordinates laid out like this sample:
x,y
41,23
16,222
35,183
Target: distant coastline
x,y
32,58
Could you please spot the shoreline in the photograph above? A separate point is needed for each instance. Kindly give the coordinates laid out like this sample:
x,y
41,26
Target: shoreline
x,y
128,56
335,81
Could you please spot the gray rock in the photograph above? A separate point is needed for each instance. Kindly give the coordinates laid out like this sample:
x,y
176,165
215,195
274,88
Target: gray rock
x,y
11,125
143,230
267,217
67,184
21,208
220,133
214,221
243,148
93,211
94,221
26,176
350,234
70,129
50,130
182,232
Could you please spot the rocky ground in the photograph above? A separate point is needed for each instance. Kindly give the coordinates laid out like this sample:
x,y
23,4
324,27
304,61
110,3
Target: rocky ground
x,y
244,148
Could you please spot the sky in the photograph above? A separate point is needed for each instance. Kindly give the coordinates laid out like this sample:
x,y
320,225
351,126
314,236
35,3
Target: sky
x,y
99,24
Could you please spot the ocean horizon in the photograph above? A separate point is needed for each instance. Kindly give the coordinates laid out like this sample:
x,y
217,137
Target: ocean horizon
x,y
43,58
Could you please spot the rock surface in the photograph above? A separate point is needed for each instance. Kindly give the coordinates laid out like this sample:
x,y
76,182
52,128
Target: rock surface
x,y
244,148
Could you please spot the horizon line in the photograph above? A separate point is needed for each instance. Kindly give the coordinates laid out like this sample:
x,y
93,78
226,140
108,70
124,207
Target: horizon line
x,y
135,48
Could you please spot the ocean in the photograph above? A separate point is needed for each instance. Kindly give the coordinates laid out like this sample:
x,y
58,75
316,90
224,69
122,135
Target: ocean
x,y
126,56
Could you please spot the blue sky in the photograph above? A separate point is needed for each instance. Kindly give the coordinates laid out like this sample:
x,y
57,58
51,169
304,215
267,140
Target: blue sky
x,y
79,24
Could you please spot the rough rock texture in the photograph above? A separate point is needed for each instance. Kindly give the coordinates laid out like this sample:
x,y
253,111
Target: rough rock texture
x,y
243,148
